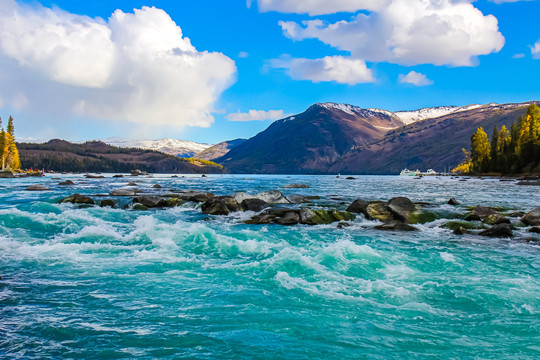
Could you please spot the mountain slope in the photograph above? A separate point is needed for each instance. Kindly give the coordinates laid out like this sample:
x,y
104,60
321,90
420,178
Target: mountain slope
x,y
310,142
180,148
96,156
337,138
432,143
218,150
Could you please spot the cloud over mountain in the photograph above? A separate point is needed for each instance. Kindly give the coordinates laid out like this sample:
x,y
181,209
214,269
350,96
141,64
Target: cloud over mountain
x,y
136,67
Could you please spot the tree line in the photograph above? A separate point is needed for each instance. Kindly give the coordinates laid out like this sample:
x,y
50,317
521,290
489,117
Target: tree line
x,y
8,149
513,151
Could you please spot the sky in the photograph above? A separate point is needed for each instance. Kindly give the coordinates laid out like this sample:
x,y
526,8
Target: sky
x,y
215,70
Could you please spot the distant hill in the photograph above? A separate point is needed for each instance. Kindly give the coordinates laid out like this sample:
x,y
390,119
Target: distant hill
x,y
334,138
180,148
96,156
218,150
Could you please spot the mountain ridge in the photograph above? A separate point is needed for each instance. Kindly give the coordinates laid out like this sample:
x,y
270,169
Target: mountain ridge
x,y
332,138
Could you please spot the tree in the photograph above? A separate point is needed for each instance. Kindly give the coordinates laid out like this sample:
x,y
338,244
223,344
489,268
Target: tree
x,y
480,151
2,145
10,156
494,154
466,166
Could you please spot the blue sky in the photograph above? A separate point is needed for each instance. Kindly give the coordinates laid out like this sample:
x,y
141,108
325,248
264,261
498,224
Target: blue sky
x,y
69,70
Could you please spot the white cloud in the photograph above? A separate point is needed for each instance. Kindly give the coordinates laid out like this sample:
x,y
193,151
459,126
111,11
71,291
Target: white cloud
x,y
518,56
257,115
136,67
243,54
535,50
507,1
319,7
405,32
415,78
340,69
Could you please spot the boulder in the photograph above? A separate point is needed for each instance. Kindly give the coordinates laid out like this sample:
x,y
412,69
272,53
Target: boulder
x,y
122,192
535,229
297,199
107,202
37,188
495,219
139,207
261,219
454,225
453,202
358,206
195,196
318,217
78,199
67,183
343,225
118,176
271,197
289,218
90,176
396,226
379,211
499,230
350,178
532,218
6,174
296,186
173,202
156,186
132,183
220,205
461,231
150,201
480,213
401,207
254,205
422,217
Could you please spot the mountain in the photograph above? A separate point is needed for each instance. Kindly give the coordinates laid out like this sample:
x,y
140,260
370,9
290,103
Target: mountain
x,y
180,148
96,156
432,143
218,150
310,142
338,138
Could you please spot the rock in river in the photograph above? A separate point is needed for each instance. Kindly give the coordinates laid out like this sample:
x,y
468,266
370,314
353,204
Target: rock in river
x,y
150,201
37,188
78,199
480,213
220,205
499,230
254,205
532,218
401,207
122,192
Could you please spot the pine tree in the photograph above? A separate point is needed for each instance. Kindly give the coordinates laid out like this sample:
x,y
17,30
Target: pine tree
x,y
480,151
2,146
494,150
13,160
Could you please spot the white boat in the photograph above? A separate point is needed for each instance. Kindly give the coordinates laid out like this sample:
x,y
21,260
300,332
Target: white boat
x,y
407,172
430,172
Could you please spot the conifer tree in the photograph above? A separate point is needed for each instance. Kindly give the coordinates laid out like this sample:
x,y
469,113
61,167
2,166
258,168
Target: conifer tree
x,y
480,150
13,160
494,154
2,146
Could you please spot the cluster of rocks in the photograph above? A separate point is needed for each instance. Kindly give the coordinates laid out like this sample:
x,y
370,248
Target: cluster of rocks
x,y
273,207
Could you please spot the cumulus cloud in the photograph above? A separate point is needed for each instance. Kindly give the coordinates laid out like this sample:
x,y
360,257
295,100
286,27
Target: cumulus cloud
x,y
415,78
407,32
535,50
319,7
507,1
340,69
256,115
136,67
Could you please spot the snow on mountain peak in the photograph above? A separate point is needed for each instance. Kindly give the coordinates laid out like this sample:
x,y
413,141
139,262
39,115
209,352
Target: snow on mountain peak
x,y
182,148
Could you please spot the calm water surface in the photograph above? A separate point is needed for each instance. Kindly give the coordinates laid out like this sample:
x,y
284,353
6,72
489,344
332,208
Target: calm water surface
x,y
94,283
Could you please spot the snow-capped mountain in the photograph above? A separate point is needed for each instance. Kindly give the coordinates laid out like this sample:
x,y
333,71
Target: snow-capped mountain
x,y
409,117
181,148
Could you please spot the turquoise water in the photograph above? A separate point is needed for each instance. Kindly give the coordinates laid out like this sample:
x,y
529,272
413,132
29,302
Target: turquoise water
x,y
99,283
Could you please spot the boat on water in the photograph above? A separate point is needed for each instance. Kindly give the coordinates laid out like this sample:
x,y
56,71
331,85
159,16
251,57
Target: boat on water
x,y
407,172
418,173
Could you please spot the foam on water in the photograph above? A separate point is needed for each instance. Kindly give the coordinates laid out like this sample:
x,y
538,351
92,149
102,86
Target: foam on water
x,y
175,283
